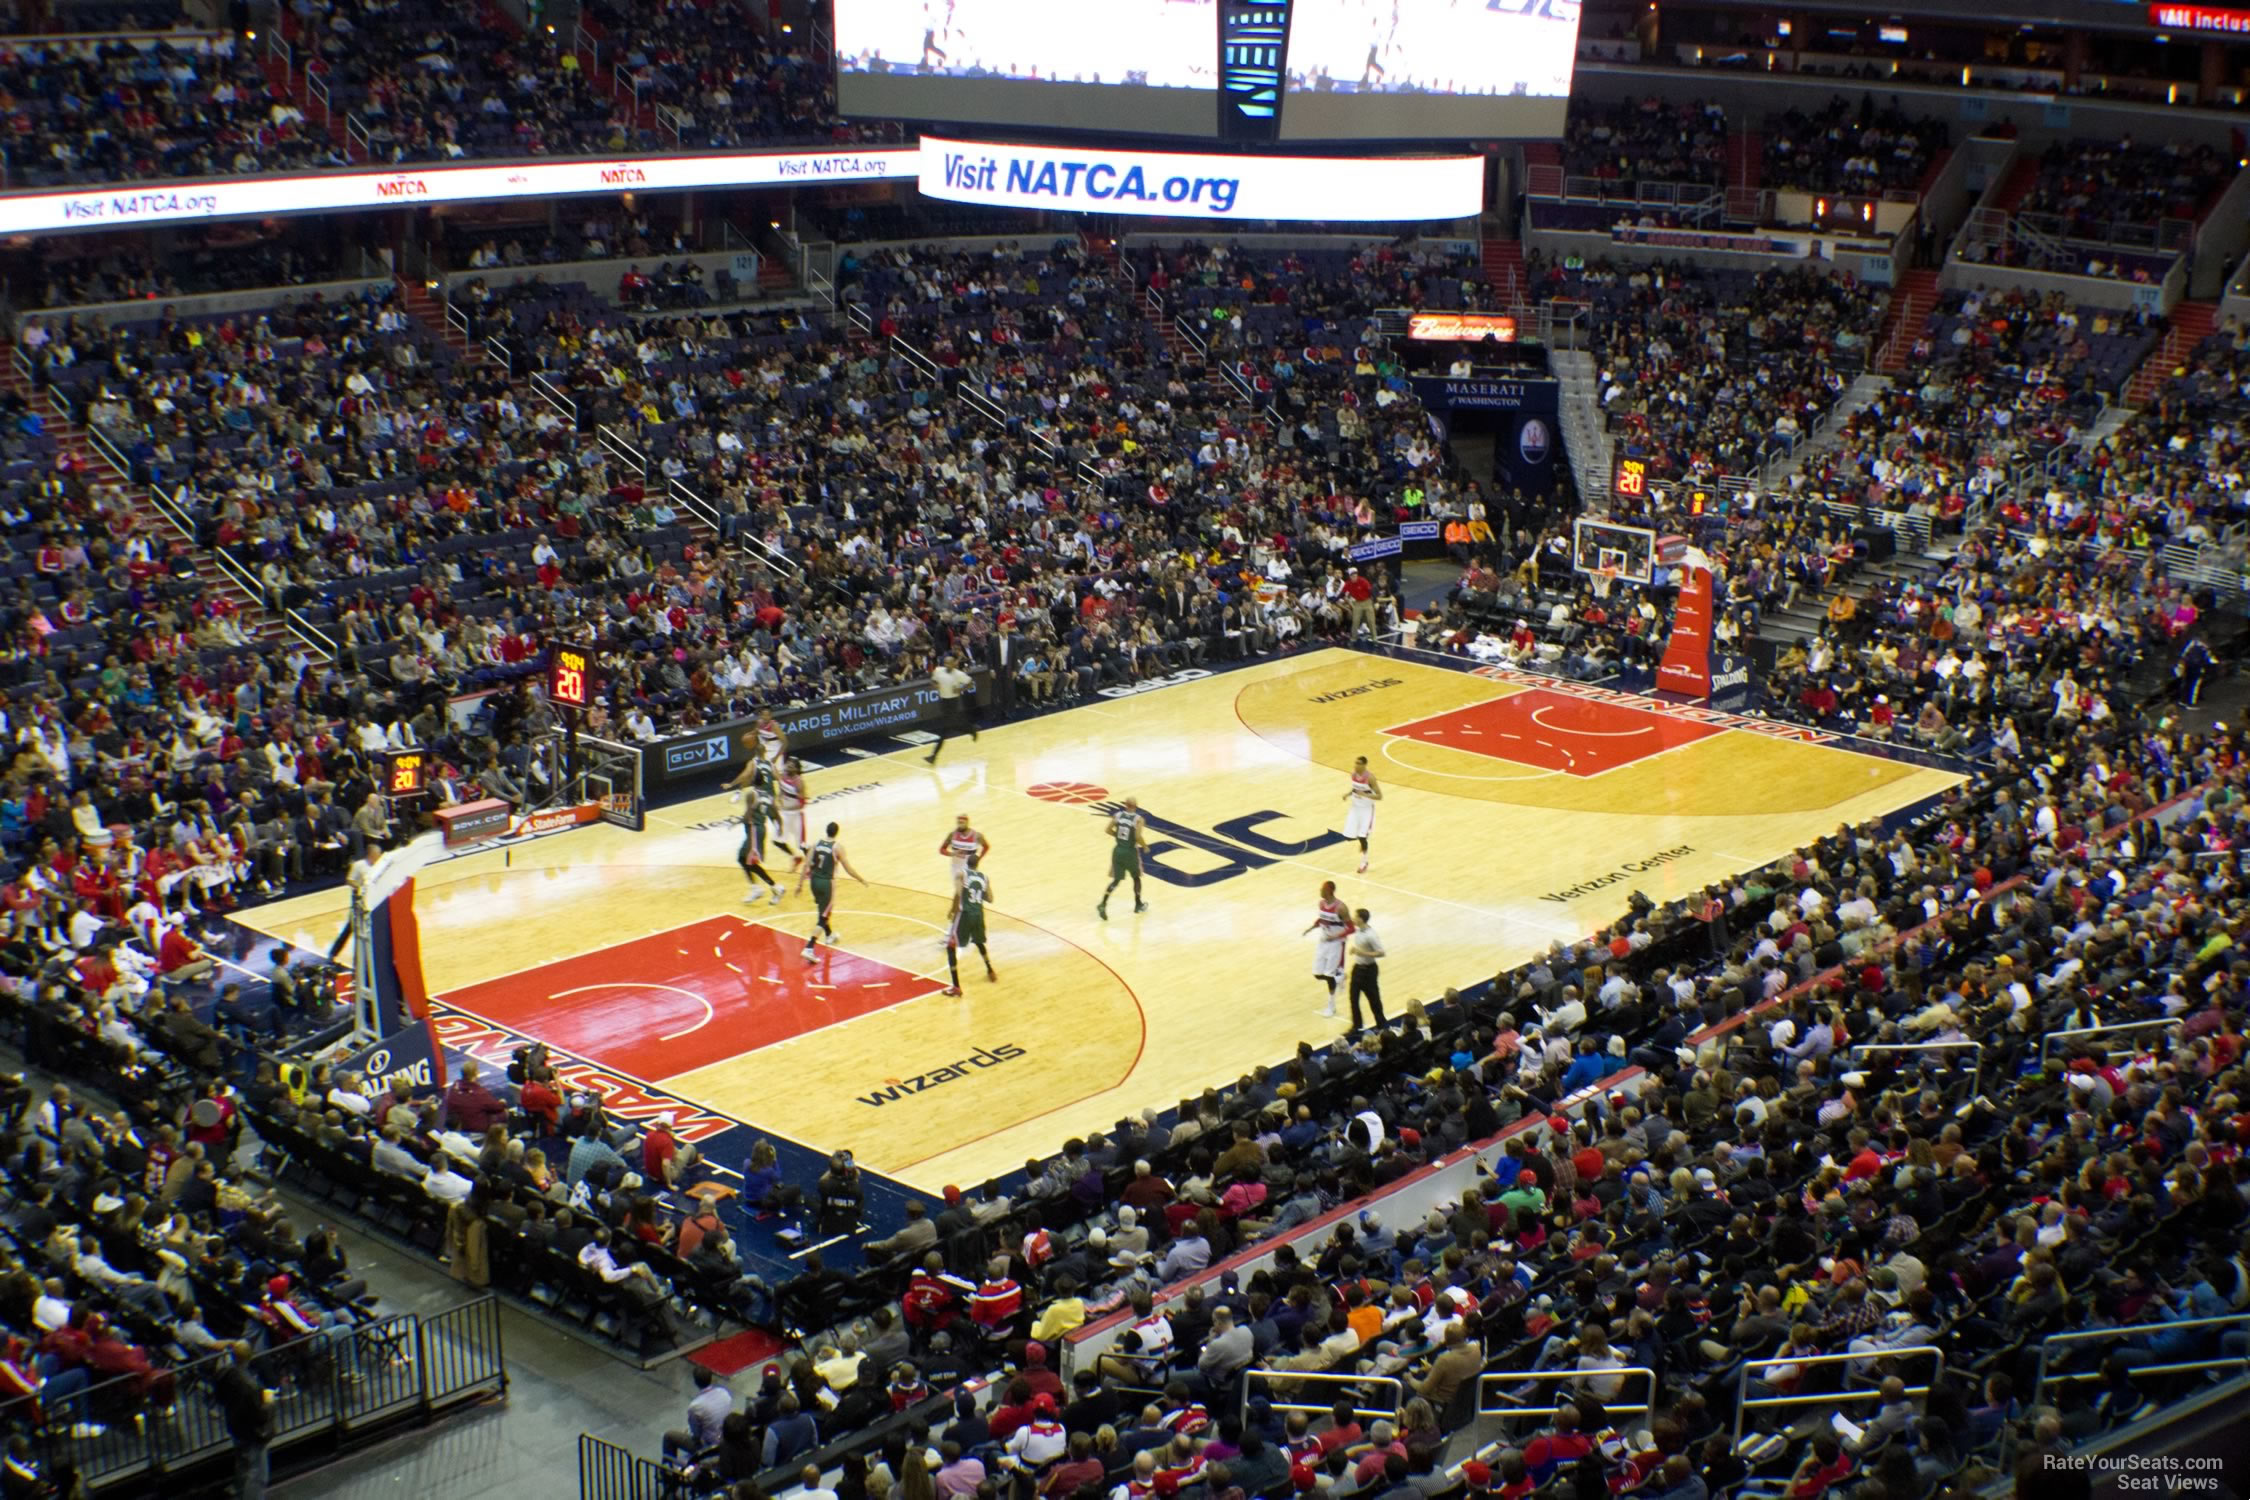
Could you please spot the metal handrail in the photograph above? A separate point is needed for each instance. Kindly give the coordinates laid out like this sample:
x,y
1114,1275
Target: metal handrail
x,y
1504,1379
312,635
2047,1042
555,396
923,365
1744,1401
1196,343
357,134
622,447
277,45
1359,1383
628,86
501,354
1976,1047
457,320
856,314
2130,1331
674,120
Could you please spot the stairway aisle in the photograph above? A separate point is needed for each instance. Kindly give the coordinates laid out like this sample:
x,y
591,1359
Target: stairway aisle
x,y
74,443
1502,260
1912,298
2190,325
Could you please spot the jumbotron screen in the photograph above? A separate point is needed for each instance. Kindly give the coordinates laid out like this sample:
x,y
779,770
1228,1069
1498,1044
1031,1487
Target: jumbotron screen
x,y
1148,66
1428,69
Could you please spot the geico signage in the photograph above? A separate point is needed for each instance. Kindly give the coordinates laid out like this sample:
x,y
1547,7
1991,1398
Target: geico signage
x,y
1181,185
279,196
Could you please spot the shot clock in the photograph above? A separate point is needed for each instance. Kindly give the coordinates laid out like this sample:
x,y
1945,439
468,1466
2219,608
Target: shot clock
x,y
570,678
1631,479
405,774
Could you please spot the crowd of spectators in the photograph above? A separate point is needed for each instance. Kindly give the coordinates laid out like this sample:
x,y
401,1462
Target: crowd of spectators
x,y
1765,1192
1646,140
2093,184
2174,470
1706,372
232,257
610,234
95,111
419,83
429,85
1768,1193
1851,149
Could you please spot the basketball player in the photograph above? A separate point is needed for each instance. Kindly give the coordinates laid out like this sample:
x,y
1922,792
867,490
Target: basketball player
x,y
757,809
1334,924
1128,833
1363,794
965,923
772,745
753,756
789,791
821,862
962,845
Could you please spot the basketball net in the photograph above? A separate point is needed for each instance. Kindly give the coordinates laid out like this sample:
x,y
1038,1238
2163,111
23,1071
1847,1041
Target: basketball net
x,y
1604,579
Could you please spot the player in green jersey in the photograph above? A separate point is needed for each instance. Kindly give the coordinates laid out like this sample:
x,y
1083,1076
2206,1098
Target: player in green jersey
x,y
822,861
757,811
1128,835
965,922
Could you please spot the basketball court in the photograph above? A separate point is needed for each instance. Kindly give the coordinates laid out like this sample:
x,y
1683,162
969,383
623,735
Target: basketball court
x,y
1517,811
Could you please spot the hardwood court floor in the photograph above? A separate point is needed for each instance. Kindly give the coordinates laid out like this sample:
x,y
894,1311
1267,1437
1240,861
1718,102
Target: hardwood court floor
x,y
1514,814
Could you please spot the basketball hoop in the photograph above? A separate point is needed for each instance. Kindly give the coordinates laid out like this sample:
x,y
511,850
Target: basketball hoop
x,y
1605,577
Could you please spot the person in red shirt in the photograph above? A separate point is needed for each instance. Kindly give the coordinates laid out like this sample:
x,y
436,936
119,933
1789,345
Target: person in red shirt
x,y
213,1127
1548,1454
542,1103
179,957
1828,1464
931,1303
657,1150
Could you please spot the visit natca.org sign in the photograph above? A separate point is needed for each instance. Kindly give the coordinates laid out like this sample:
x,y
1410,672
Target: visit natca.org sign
x,y
129,206
1183,185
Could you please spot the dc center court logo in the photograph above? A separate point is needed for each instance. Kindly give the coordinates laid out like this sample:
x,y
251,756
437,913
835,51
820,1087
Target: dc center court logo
x,y
1239,844
1535,440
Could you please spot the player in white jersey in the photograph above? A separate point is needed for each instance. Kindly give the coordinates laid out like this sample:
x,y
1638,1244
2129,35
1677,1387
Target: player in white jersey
x,y
1359,821
790,803
962,842
1333,921
772,745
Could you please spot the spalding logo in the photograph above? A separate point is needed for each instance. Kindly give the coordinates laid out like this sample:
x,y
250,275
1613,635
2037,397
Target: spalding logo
x,y
1535,440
